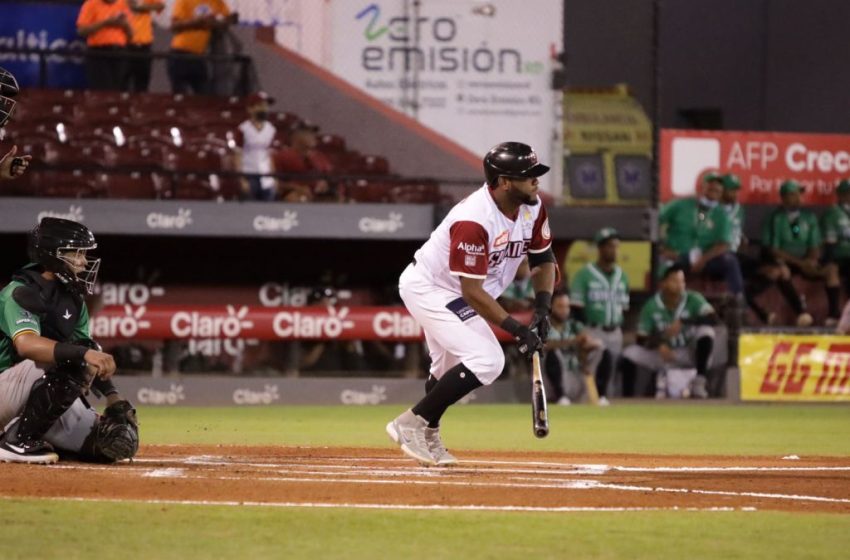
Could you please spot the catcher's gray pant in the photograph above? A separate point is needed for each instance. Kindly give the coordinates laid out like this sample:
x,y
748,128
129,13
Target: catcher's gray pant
x,y
683,357
72,428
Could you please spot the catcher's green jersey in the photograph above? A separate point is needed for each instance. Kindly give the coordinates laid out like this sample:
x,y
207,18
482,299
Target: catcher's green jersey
x,y
736,224
603,296
15,320
655,317
794,235
687,226
835,226
569,330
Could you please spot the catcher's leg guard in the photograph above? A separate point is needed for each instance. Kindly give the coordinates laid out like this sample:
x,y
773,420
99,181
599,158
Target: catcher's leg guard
x,y
50,397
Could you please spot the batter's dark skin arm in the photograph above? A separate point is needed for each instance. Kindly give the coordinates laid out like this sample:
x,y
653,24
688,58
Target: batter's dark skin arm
x,y
543,278
472,290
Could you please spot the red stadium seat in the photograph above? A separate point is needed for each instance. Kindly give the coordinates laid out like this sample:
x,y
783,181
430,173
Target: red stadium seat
x,y
418,193
374,165
69,184
136,185
190,187
331,143
367,191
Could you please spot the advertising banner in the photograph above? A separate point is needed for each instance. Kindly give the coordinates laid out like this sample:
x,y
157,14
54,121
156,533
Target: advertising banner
x,y
780,367
23,25
471,70
217,322
763,160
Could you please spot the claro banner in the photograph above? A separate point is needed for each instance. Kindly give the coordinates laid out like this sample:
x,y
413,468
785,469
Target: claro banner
x,y
795,368
259,323
763,160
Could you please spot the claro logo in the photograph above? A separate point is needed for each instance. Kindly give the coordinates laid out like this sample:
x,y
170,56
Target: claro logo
x,y
135,294
246,396
391,224
159,220
149,395
287,222
388,324
294,324
194,324
127,326
377,395
74,213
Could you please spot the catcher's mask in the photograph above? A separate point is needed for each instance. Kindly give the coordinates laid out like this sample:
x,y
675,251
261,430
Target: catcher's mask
x,y
62,247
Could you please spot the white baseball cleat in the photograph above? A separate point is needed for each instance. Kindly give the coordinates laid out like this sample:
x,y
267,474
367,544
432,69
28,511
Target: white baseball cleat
x,y
408,431
438,450
32,451
563,401
603,401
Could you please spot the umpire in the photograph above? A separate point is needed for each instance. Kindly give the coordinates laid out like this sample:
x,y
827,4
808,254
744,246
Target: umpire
x,y
599,294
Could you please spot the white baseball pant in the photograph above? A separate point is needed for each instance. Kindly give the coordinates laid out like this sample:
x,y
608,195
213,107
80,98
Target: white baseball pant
x,y
453,331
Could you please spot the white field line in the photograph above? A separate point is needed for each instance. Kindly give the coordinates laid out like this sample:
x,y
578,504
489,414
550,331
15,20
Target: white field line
x,y
440,507
729,469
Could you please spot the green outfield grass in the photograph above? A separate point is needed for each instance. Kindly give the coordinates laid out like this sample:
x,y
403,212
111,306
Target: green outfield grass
x,y
634,428
55,529
110,530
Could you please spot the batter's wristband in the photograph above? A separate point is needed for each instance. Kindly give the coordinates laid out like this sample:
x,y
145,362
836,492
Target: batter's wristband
x,y
65,354
511,325
543,301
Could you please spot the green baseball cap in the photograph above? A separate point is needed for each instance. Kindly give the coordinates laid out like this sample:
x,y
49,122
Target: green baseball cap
x,y
731,182
605,234
790,186
711,177
843,187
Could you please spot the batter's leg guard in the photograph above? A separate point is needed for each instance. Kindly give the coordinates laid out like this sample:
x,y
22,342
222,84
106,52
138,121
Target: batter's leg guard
x,y
50,396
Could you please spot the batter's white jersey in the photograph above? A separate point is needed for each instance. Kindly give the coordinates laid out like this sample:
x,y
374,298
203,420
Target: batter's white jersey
x,y
478,241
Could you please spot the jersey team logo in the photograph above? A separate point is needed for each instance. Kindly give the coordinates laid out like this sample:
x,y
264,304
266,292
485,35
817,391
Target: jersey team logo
x,y
501,239
547,234
470,248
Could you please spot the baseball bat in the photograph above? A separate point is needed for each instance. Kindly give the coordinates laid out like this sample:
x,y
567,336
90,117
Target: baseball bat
x,y
539,411
590,385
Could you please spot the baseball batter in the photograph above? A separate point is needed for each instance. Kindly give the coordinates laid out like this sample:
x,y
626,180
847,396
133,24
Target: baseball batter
x,y
452,285
46,357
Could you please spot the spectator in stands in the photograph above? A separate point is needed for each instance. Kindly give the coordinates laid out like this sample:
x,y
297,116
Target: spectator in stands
x,y
571,349
254,138
600,296
698,236
519,295
792,238
757,274
11,165
139,66
192,22
301,156
835,225
105,25
674,331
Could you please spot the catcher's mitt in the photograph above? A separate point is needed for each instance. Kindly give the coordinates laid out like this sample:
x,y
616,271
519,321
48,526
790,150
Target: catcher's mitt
x,y
116,436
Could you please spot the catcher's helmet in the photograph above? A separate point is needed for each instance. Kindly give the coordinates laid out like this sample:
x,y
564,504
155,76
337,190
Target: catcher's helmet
x,y
8,90
60,246
512,159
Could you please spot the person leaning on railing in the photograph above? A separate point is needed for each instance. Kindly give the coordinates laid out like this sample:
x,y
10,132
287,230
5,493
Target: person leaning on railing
x,y
105,25
192,22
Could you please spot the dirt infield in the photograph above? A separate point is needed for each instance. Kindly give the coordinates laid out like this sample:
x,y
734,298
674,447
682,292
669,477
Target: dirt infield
x,y
383,478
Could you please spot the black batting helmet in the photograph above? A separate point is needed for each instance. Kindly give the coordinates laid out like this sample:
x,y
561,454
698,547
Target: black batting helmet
x,y
8,90
57,244
512,159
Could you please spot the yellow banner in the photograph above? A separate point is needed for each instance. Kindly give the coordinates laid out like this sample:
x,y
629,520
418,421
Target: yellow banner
x,y
795,367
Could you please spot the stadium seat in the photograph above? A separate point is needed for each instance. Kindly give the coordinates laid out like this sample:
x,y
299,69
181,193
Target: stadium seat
x,y
135,185
367,191
374,165
331,143
190,187
417,193
69,184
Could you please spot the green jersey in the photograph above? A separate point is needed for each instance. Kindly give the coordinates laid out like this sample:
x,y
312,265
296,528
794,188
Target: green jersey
x,y
736,223
655,317
569,330
835,225
15,320
603,296
687,225
793,234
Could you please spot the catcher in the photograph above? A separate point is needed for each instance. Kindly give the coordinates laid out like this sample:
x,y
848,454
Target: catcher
x,y
47,361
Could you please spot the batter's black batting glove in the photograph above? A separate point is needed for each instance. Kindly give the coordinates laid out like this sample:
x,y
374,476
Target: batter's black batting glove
x,y
527,340
540,319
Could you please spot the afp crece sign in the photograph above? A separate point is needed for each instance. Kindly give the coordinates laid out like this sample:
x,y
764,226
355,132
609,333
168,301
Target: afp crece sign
x,y
763,160
795,367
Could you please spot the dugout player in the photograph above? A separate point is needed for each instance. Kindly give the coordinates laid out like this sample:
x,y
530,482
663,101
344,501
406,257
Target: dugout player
x,y
835,226
11,166
44,326
599,295
674,330
451,286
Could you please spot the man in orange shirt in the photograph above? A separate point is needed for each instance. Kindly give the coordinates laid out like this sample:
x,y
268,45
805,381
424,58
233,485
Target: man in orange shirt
x,y
192,22
105,25
139,63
